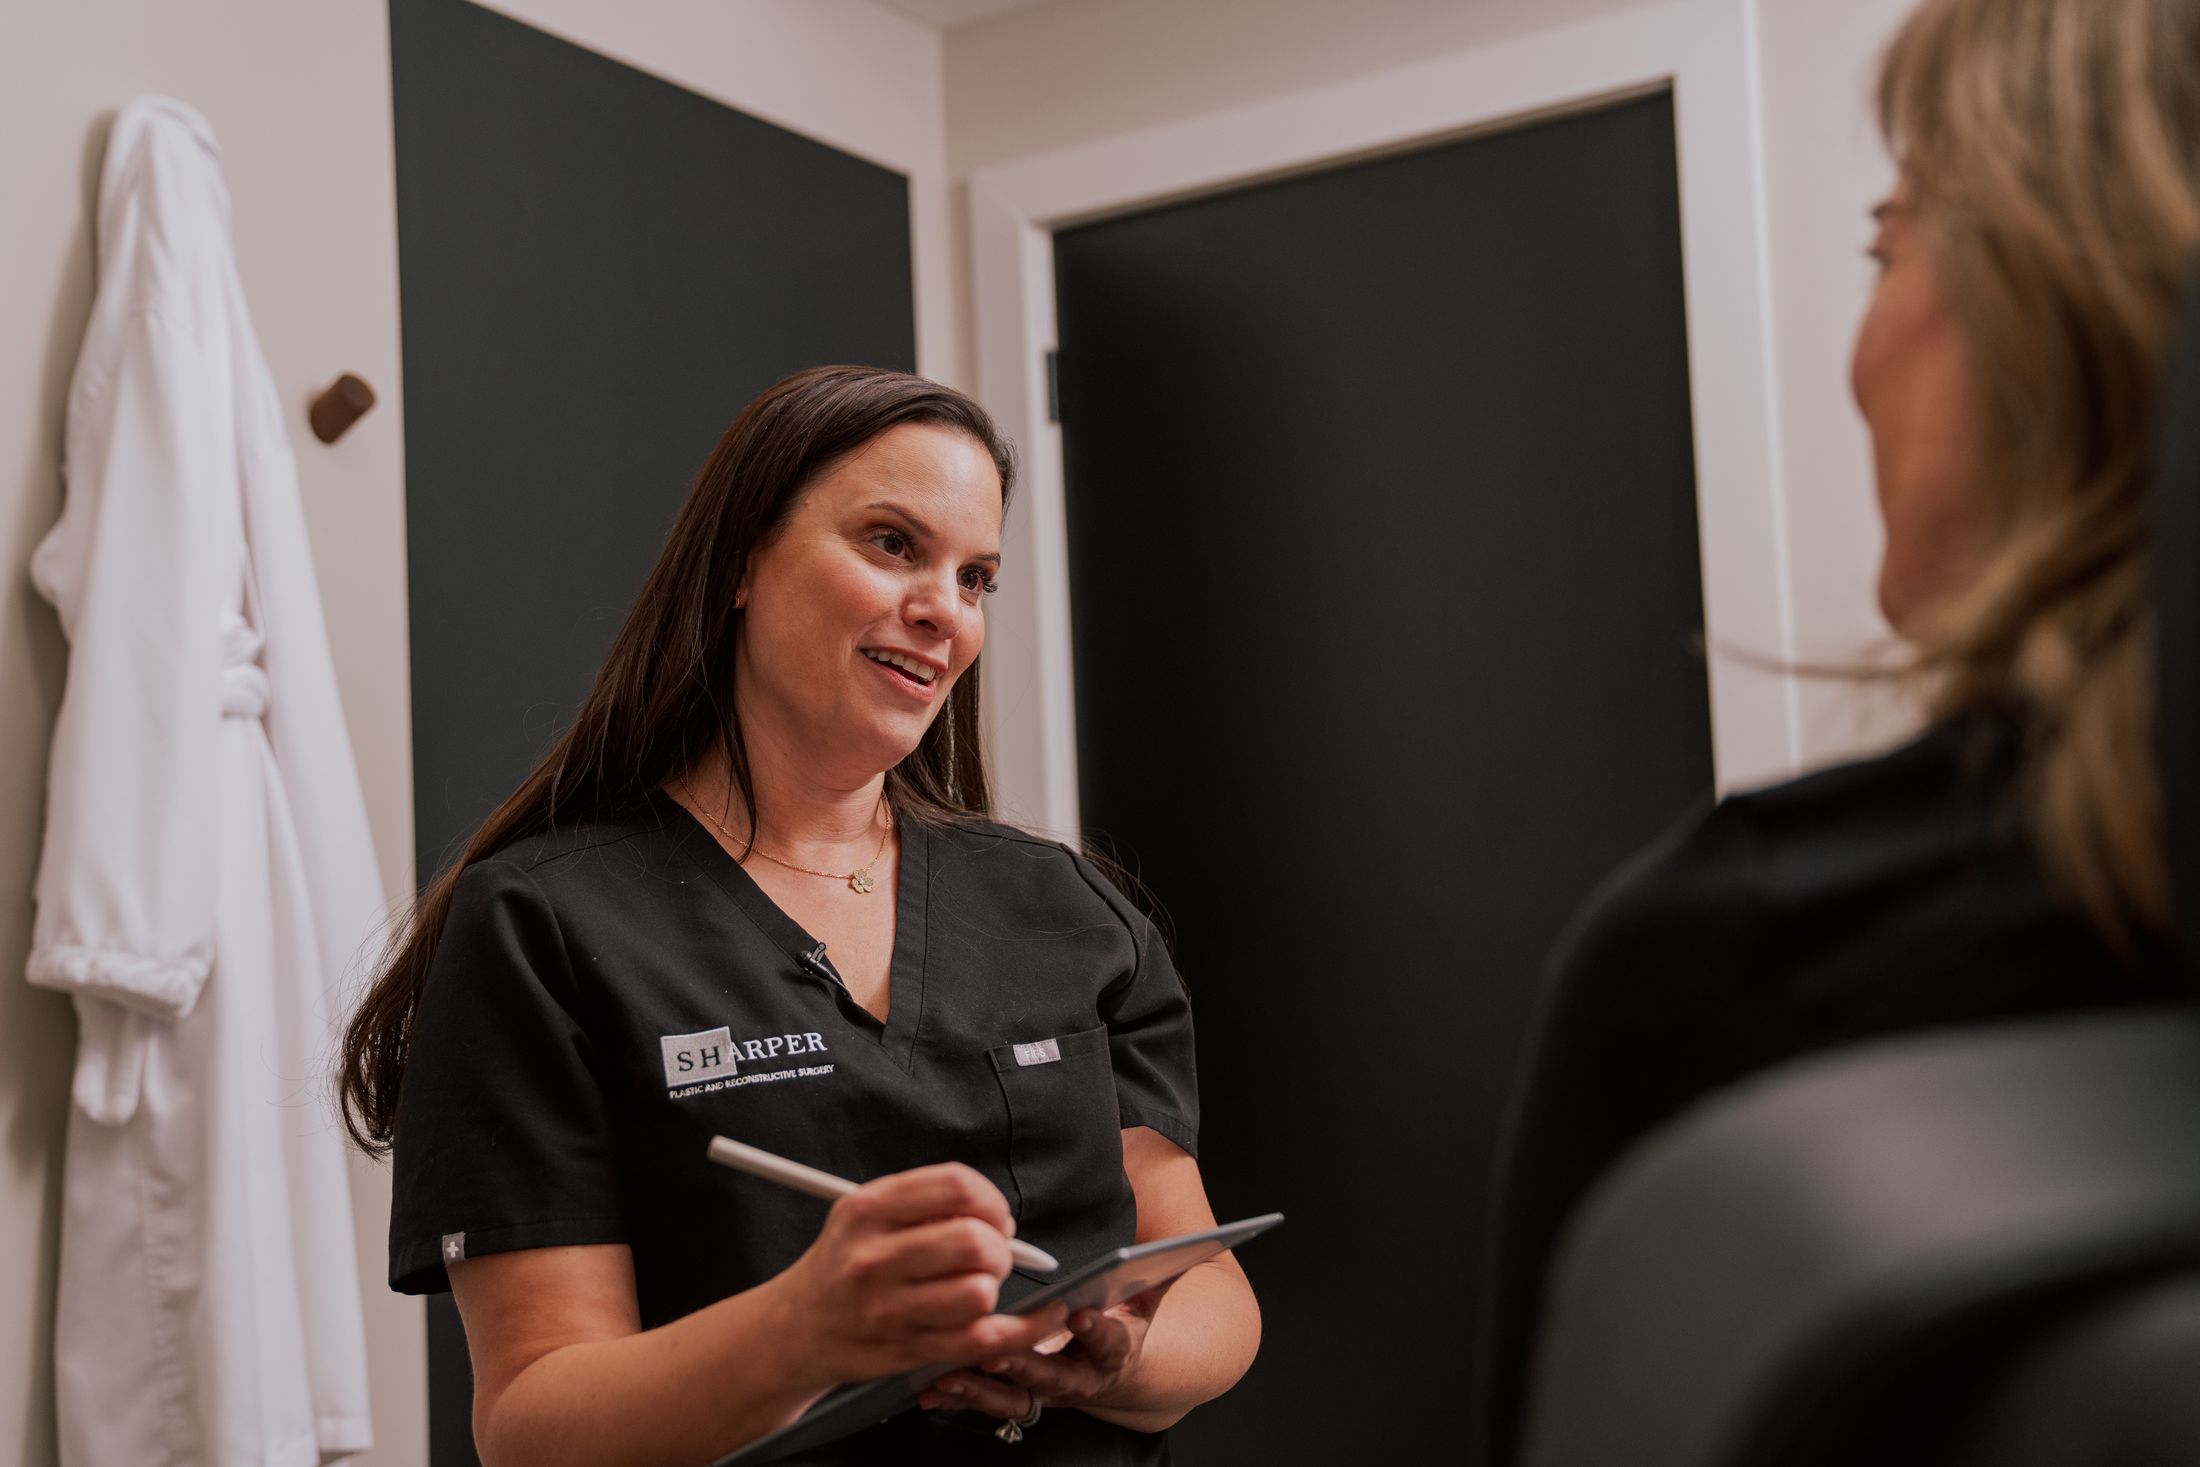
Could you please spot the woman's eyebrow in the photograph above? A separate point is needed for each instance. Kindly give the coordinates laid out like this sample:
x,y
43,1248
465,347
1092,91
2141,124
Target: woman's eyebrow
x,y
924,531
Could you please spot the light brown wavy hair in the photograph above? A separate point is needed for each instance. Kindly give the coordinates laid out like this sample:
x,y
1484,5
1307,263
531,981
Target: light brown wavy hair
x,y
2051,148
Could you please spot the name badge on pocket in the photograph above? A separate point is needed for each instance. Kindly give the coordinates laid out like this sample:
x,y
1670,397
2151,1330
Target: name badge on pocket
x,y
1045,1052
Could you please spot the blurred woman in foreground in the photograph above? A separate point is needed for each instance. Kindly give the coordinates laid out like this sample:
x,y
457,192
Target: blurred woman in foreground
x,y
2009,862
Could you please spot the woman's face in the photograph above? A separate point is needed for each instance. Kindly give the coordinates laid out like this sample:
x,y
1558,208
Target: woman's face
x,y
1911,374
867,605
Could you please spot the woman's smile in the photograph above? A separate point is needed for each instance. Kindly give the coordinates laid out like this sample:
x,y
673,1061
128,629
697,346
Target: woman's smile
x,y
916,676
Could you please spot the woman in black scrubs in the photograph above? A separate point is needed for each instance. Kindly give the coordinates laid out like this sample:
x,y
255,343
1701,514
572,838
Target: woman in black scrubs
x,y
2008,862
754,892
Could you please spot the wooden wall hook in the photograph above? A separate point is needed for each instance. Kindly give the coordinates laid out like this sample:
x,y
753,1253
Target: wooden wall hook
x,y
335,410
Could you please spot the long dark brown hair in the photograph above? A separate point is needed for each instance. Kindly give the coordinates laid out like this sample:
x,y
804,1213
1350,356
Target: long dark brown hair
x,y
663,701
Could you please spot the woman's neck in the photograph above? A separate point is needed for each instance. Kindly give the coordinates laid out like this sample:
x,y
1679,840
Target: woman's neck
x,y
796,810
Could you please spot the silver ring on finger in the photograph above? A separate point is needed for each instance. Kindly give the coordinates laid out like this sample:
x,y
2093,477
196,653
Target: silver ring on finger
x,y
1012,1431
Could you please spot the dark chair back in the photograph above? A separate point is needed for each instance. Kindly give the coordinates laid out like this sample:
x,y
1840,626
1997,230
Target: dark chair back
x,y
1844,1260
2115,1387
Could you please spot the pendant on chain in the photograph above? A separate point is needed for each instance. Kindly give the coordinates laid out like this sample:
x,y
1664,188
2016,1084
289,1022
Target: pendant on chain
x,y
860,881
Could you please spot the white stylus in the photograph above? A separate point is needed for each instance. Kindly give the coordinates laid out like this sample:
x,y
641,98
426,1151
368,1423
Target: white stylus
x,y
727,1152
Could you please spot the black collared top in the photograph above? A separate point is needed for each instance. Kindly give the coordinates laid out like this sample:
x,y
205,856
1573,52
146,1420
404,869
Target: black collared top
x,y
605,999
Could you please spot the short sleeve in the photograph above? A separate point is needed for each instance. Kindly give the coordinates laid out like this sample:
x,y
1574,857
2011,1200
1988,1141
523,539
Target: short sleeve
x,y
503,1137
1149,1019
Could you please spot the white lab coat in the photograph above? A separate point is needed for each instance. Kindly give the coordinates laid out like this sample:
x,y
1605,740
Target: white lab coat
x,y
207,875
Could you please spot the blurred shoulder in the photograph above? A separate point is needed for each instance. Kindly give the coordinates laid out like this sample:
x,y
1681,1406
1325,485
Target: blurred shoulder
x,y
1868,838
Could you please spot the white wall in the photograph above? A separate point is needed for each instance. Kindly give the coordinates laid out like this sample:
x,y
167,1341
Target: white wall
x,y
1037,81
299,96
1824,169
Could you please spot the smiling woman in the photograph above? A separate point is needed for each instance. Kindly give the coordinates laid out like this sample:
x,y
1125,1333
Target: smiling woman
x,y
755,890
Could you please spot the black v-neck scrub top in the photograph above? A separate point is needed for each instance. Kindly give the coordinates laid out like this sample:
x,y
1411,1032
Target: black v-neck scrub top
x,y
604,1000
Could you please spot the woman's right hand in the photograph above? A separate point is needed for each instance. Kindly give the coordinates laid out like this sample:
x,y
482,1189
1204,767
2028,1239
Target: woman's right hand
x,y
906,1273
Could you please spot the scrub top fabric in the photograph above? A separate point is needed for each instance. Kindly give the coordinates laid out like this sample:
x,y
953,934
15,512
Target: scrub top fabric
x,y
605,999
1893,894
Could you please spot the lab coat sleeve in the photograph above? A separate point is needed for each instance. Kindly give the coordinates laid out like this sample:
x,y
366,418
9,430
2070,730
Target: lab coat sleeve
x,y
127,882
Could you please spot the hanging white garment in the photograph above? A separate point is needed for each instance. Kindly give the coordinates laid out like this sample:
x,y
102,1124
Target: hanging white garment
x,y
207,876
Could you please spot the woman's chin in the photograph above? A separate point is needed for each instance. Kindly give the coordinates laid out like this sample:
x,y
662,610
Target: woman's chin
x,y
889,745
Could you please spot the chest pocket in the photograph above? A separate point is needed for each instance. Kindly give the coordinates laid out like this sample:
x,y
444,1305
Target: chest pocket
x,y
1065,1144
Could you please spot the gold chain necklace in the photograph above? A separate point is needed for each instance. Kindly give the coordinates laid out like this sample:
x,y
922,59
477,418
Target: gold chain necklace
x,y
859,880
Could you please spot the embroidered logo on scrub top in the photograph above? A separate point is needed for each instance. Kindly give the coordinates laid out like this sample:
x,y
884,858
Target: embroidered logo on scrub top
x,y
690,1058
711,1060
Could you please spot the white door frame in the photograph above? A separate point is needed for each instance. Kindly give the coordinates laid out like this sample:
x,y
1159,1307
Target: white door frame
x,y
1703,50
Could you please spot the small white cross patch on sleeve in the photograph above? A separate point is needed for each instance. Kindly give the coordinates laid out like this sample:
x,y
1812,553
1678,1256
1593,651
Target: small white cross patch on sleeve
x,y
1045,1052
454,1247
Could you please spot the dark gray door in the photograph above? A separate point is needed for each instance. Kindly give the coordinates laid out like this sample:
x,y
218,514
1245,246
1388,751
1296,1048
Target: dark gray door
x,y
598,270
1387,611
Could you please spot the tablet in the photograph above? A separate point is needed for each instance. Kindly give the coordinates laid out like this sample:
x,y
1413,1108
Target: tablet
x,y
1106,1281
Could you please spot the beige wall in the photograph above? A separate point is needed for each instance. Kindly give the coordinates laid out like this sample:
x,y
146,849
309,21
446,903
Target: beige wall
x,y
299,95
1034,81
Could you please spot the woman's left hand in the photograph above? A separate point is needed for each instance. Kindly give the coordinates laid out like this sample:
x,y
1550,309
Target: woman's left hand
x,y
1102,1353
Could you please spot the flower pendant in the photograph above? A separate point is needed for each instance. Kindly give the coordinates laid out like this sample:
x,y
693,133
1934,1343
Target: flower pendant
x,y
860,882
